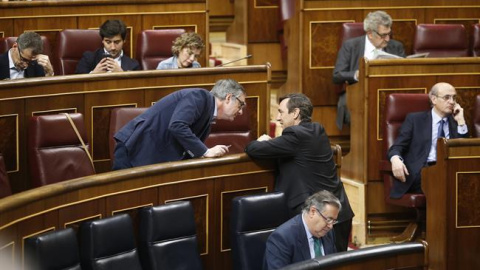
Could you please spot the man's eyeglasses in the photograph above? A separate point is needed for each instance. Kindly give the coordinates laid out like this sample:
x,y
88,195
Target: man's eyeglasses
x,y
242,103
328,220
23,59
448,97
383,36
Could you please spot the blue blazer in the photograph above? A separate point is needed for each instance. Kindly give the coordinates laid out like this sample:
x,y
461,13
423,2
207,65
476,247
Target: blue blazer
x,y
413,145
174,128
33,70
288,244
91,59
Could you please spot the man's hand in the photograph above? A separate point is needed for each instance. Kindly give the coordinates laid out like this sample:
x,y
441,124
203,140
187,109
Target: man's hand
x,y
458,114
44,61
113,65
101,66
217,151
264,137
399,169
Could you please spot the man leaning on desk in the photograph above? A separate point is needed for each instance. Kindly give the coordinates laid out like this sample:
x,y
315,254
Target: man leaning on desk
x,y
378,28
25,59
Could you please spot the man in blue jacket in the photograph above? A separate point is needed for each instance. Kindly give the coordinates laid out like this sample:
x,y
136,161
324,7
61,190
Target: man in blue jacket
x,y
177,125
305,236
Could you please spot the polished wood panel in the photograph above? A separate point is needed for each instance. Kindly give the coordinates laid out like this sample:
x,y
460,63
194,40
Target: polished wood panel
x,y
95,96
452,188
209,184
366,101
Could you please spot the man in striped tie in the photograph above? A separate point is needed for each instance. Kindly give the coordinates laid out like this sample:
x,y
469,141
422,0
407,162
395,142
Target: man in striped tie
x,y
305,236
416,144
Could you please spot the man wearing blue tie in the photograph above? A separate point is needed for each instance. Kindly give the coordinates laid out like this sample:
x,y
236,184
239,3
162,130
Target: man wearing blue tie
x,y
305,236
416,144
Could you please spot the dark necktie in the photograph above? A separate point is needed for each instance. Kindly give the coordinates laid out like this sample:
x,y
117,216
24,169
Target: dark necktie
x,y
317,246
441,133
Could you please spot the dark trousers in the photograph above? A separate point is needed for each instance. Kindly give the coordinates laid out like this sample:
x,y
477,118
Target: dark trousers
x,y
342,233
120,157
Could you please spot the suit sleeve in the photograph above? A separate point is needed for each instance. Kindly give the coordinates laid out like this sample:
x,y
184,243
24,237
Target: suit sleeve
x,y
282,146
343,71
84,66
403,140
399,50
189,110
277,253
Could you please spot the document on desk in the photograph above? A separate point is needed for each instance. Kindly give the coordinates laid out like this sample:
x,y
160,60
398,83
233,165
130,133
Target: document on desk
x,y
385,55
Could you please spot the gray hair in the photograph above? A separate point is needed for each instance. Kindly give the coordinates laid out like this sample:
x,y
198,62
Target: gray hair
x,y
375,19
227,86
436,87
30,40
319,200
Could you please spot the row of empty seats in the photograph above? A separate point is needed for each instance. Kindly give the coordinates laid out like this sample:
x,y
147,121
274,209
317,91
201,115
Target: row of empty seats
x,y
152,46
166,240
439,40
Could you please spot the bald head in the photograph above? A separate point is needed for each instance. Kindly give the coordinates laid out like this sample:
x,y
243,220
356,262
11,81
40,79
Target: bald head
x,y
440,87
443,98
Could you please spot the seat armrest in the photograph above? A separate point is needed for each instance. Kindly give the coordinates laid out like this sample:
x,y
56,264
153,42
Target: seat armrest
x,y
385,166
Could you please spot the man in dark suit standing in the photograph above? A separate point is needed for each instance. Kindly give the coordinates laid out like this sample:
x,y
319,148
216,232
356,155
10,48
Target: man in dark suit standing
x,y
378,28
25,59
416,144
305,162
305,236
176,126
110,57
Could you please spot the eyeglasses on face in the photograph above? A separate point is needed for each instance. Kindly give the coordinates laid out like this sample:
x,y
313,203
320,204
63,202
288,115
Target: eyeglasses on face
x,y
241,103
327,220
23,59
383,36
448,97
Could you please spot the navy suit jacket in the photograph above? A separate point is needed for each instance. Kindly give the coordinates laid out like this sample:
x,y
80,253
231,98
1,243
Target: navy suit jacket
x,y
288,244
174,128
413,145
351,52
91,59
33,70
305,164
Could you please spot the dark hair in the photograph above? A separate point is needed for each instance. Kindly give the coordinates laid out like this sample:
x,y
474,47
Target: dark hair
x,y
111,28
319,200
30,40
300,101
189,40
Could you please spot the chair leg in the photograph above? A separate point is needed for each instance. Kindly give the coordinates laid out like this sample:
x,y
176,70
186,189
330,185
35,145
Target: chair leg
x,y
407,235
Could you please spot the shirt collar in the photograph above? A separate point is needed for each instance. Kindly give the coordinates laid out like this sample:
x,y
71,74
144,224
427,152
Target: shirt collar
x,y
11,64
309,235
435,117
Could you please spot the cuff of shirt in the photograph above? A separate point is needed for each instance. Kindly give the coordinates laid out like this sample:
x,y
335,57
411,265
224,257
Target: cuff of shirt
x,y
463,129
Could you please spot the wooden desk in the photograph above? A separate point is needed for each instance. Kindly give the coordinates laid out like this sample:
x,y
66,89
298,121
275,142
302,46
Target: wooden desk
x,y
452,188
366,101
210,184
96,95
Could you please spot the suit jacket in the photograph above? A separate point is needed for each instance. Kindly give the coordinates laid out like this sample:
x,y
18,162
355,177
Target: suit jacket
x,y
174,128
91,59
413,145
305,164
288,244
351,52
33,70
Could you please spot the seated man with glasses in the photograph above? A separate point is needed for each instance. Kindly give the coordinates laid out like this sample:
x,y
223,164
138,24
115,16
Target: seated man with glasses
x,y
176,126
416,144
305,236
378,28
305,162
25,59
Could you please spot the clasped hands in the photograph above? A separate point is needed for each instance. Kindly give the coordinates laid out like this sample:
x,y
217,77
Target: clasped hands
x,y
107,64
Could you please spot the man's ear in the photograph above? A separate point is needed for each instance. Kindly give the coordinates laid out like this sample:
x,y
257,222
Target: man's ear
x,y
296,113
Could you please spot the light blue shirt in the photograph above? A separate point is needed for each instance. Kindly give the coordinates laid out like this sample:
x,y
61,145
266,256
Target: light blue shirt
x,y
14,72
310,240
171,63
432,155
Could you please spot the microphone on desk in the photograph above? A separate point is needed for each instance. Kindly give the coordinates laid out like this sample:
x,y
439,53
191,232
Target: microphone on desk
x,y
245,57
